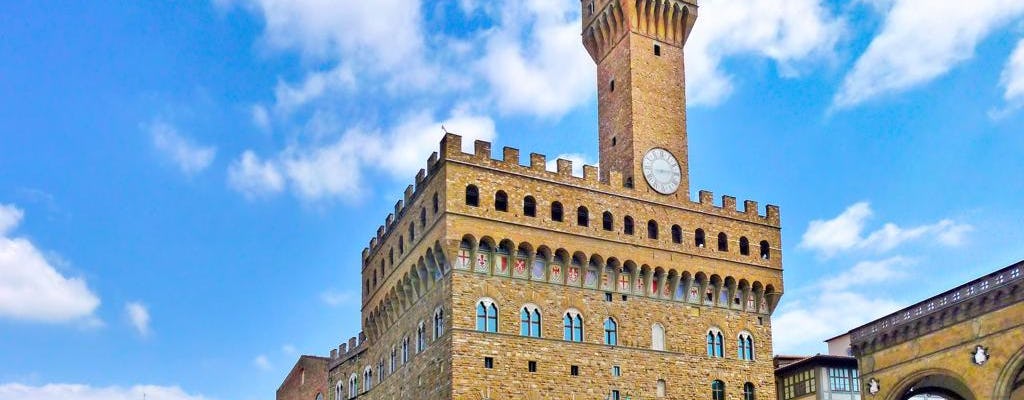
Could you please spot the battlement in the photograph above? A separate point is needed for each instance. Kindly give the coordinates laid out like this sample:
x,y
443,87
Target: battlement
x,y
355,345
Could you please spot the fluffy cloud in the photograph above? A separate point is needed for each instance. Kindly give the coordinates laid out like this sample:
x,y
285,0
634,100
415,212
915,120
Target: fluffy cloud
x,y
920,41
845,232
869,272
262,363
30,288
534,60
15,391
335,168
189,157
799,326
1013,78
138,315
578,161
790,33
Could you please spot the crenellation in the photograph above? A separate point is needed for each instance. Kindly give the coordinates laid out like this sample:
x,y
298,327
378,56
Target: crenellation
x,y
409,192
373,244
399,207
590,174
510,156
772,215
432,161
564,167
482,150
334,354
390,220
420,177
729,204
366,254
706,198
380,234
750,208
538,162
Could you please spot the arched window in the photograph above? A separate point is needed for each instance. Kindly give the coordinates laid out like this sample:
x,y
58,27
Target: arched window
x,y
319,396
765,250
629,182
627,225
421,338
501,201
556,211
748,391
715,346
438,322
652,229
659,389
677,234
435,203
529,321
657,337
486,316
405,350
401,245
744,246
745,347
582,216
339,390
717,390
607,222
573,324
412,232
380,371
529,206
472,196
423,217
723,242
353,386
698,237
611,332
394,358
367,379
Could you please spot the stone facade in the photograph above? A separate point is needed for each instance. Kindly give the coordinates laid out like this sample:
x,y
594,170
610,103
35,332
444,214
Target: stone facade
x,y
966,343
475,230
306,380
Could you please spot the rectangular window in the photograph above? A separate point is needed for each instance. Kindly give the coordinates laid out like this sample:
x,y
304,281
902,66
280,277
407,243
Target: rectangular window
x,y
843,380
799,384
607,297
574,370
532,366
616,371
657,50
624,297
488,362
615,395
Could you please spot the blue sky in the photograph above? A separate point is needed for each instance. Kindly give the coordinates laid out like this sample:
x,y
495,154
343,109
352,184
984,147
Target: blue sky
x,y
185,187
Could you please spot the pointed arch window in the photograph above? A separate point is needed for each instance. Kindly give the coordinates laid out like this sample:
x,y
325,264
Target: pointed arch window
x,y
715,346
529,321
573,326
412,232
677,234
435,203
339,390
748,391
745,347
627,225
393,360
353,386
556,211
652,229
405,350
486,316
421,338
717,390
529,206
423,217
766,253
611,332
723,241
367,379
698,237
501,201
657,337
472,196
582,216
744,246
607,221
438,322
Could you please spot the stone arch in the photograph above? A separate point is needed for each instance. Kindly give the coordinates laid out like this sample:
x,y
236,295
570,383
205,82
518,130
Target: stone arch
x,y
685,282
946,383
1010,381
611,273
629,270
659,279
441,259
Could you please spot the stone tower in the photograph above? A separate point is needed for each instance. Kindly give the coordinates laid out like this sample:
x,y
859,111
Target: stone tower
x,y
638,48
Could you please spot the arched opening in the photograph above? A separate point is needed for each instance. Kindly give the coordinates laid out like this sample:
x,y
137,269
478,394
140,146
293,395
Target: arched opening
x,y
765,250
435,203
748,391
698,238
717,390
607,221
935,386
529,206
677,234
652,229
744,246
501,201
723,242
423,217
582,216
1017,386
627,225
472,196
611,332
556,211
657,337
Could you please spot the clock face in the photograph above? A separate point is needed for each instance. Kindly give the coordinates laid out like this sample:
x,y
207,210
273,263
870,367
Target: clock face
x,y
661,171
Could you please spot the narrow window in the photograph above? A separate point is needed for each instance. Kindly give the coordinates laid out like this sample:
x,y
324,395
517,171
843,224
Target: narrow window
x,y
677,234
627,225
401,245
529,321
616,371
421,338
698,238
719,346
657,50
652,230
765,250
412,232
744,246
660,388
488,362
556,211
438,323
405,350
472,196
394,358
582,216
611,332
529,206
607,221
607,297
748,391
435,203
615,141
629,182
501,201
486,316
723,242
717,390
657,337
531,366
574,370
615,395
572,324
612,86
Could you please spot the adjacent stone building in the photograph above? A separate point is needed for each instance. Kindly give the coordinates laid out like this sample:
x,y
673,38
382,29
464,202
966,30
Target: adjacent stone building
x,y
498,280
306,381
964,344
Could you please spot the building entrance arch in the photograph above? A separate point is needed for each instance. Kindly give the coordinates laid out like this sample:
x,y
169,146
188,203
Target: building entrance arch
x,y
933,385
1010,384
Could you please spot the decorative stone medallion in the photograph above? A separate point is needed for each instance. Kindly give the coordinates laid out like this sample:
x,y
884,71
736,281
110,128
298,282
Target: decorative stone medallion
x,y
980,355
874,386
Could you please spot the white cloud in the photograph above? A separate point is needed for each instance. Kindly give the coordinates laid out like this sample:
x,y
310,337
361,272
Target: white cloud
x,y
254,177
869,272
138,315
260,117
799,324
578,161
335,169
289,97
262,362
335,298
16,391
30,288
922,40
189,157
289,349
845,232
534,60
1012,81
791,33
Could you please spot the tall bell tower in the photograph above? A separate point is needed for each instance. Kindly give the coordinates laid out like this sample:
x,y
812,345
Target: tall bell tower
x,y
638,48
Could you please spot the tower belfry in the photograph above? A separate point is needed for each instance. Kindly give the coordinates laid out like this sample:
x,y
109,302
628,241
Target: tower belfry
x,y
638,48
